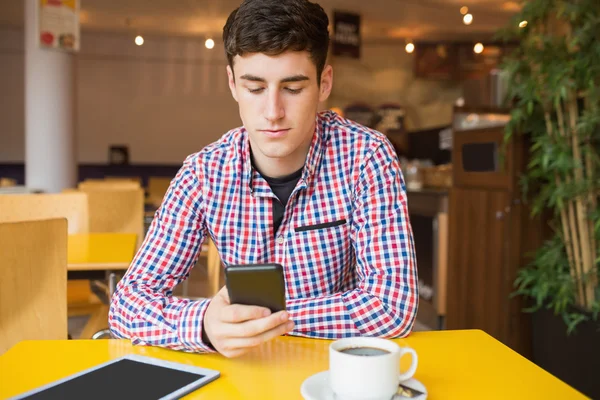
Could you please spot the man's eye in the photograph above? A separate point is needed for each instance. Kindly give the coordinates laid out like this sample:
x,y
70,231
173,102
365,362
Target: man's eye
x,y
293,91
255,90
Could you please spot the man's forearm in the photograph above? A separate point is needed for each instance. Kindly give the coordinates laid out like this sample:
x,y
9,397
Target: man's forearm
x,y
149,319
354,313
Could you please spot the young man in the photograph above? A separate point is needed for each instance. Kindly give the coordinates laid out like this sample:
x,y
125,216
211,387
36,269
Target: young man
x,y
319,194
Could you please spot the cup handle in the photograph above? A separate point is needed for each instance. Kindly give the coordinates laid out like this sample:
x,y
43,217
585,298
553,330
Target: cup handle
x,y
413,367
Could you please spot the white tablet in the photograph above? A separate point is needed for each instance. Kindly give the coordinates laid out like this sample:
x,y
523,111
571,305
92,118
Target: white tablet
x,y
128,377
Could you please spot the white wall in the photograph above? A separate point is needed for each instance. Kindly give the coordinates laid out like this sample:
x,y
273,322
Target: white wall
x,y
383,74
169,97
165,99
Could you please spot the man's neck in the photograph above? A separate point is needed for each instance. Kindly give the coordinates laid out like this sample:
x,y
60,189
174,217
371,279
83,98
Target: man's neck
x,y
277,168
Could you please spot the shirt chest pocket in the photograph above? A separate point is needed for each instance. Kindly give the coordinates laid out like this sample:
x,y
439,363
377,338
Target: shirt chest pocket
x,y
320,255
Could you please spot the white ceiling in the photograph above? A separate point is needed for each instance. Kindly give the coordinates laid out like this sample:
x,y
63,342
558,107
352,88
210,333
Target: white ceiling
x,y
381,19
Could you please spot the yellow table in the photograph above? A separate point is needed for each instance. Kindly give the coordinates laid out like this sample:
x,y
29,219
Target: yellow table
x,y
100,251
452,365
108,252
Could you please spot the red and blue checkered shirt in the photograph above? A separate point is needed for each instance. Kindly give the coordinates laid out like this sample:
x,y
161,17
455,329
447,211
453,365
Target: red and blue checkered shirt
x,y
345,241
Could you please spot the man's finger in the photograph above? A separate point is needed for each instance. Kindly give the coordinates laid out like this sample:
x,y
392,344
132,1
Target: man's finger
x,y
257,326
236,313
234,344
224,294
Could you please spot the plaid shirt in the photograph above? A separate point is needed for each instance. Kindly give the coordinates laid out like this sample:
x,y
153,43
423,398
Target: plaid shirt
x,y
345,241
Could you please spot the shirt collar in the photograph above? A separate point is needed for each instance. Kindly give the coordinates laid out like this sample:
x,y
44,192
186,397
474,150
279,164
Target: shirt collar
x,y
313,158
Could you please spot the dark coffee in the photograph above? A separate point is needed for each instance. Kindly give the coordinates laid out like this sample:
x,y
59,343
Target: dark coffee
x,y
364,351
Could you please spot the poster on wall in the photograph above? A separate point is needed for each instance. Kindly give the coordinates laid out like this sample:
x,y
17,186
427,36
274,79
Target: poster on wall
x,y
346,34
59,24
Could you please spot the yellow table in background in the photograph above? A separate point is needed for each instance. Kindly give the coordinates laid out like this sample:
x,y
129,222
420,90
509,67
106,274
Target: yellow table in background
x,y
105,252
452,365
101,252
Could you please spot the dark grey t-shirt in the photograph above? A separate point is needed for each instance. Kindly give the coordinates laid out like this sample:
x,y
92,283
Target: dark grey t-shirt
x,y
283,188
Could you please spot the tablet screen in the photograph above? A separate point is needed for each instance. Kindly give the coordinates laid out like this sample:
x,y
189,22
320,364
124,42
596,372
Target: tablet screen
x,y
124,379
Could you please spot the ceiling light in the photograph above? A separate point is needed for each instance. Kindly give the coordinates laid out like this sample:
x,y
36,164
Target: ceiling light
x,y
209,43
139,40
468,19
522,24
478,48
464,10
410,47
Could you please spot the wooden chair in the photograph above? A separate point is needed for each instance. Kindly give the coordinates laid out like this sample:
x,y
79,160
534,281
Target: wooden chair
x,y
33,287
157,188
7,182
213,268
116,210
74,207
108,184
27,207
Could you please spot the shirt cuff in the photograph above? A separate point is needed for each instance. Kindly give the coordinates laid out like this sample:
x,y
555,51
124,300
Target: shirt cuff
x,y
190,326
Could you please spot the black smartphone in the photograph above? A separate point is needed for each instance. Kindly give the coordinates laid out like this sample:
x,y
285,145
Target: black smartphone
x,y
256,285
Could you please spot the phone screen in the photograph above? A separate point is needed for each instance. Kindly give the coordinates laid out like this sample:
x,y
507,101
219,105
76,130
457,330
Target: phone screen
x,y
256,284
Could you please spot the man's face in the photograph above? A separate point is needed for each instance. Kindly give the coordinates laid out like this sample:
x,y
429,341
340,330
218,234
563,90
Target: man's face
x,y
278,97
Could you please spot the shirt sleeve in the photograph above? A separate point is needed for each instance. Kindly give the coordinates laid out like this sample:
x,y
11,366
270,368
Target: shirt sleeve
x,y
385,299
143,308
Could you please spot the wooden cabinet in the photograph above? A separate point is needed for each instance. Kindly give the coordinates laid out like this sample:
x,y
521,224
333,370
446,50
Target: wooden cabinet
x,y
428,210
490,235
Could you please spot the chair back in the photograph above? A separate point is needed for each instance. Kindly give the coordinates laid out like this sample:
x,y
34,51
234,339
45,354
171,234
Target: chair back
x,y
119,211
157,188
33,287
108,184
28,207
7,182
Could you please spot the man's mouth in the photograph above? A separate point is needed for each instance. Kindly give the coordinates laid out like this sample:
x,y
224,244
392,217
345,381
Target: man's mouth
x,y
274,133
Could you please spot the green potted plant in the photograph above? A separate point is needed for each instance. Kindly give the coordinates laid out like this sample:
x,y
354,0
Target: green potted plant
x,y
554,87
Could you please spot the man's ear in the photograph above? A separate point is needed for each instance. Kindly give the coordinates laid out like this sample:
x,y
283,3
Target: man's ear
x,y
231,79
326,83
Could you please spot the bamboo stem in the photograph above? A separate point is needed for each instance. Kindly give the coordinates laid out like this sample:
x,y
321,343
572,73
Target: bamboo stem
x,y
592,196
571,218
582,214
565,226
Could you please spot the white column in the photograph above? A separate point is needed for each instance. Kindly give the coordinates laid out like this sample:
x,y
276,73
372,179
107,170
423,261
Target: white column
x,y
49,112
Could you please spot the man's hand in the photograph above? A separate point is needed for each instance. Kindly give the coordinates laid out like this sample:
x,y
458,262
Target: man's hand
x,y
234,329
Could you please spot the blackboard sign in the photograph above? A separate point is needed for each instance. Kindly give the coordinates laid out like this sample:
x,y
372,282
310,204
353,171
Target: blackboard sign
x,y
346,34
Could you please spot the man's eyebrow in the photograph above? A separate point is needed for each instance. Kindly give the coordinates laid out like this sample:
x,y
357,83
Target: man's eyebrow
x,y
293,78
253,78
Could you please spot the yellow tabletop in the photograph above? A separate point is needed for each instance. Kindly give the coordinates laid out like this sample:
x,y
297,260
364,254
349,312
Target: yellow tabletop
x,y
452,365
100,251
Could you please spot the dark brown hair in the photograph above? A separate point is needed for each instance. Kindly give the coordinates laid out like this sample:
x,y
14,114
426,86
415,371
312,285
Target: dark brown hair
x,y
275,26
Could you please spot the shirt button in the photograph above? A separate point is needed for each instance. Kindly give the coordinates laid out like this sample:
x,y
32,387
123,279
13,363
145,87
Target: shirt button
x,y
280,240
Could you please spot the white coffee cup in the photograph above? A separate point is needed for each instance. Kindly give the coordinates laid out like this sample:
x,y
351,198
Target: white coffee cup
x,y
374,376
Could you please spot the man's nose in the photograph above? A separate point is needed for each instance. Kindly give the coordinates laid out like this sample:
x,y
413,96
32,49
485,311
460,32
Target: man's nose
x,y
274,109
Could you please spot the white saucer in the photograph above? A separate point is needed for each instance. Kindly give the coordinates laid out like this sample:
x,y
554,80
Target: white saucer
x,y
316,387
